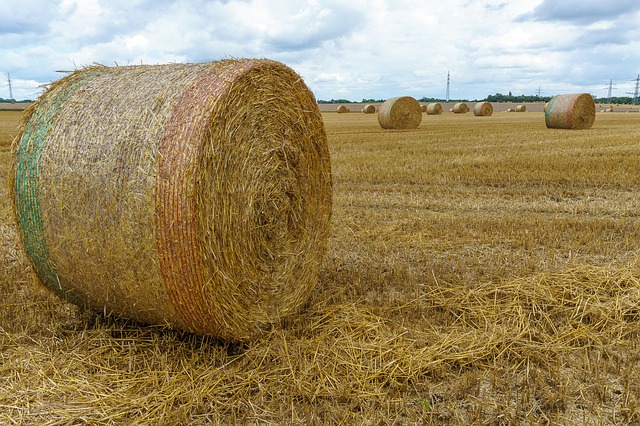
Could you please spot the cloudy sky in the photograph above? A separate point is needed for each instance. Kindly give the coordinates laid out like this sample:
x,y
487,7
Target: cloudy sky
x,y
351,49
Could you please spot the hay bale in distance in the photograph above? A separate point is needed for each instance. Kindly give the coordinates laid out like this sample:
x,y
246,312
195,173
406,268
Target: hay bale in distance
x,y
460,108
342,109
369,109
400,113
179,202
574,111
521,108
483,109
423,108
434,108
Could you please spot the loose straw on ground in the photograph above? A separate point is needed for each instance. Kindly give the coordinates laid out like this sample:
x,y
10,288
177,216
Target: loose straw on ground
x,y
193,195
574,111
400,113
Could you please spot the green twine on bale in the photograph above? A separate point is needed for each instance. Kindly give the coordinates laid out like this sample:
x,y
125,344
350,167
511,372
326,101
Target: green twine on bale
x,y
26,175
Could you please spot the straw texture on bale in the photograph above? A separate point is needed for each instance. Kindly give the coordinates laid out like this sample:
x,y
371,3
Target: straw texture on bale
x,y
342,109
521,108
460,108
369,109
574,111
434,108
191,195
399,113
483,109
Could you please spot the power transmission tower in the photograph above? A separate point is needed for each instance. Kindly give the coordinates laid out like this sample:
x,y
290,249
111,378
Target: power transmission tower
x,y
10,89
448,84
610,88
635,92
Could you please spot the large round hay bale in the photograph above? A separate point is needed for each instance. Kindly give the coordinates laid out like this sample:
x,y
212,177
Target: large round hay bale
x,y
399,113
521,108
460,108
369,109
192,195
434,108
483,109
575,111
342,109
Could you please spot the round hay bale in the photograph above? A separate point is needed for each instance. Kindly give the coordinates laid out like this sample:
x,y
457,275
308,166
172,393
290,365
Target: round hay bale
x,y
434,108
460,108
399,113
510,110
369,109
191,195
342,109
521,108
483,109
575,111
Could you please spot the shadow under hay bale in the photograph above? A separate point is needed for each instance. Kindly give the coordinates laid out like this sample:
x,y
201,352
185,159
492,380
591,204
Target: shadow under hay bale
x,y
193,195
400,113
434,108
574,111
483,109
369,109
460,108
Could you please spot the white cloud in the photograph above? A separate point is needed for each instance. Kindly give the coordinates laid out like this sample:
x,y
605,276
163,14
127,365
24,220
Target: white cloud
x,y
354,49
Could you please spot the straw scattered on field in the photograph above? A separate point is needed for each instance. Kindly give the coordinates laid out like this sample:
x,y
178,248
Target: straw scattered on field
x,y
472,277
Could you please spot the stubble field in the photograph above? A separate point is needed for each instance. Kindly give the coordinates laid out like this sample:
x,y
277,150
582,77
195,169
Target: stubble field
x,y
481,270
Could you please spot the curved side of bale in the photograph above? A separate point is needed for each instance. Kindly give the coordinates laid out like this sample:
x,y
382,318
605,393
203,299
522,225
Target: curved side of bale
x,y
460,108
400,113
483,109
434,108
573,111
164,194
369,109
342,109
521,108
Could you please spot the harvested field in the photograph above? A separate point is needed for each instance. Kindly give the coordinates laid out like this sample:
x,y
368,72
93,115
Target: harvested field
x,y
478,272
